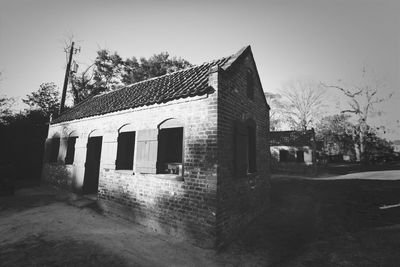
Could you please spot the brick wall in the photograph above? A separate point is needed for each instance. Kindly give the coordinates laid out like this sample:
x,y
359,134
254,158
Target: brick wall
x,y
189,208
185,208
240,198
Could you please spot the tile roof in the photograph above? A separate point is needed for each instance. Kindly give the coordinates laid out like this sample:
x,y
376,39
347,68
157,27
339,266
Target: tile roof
x,y
291,138
181,84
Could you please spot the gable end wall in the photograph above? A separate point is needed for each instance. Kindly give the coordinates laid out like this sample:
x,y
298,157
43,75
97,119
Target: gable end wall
x,y
240,198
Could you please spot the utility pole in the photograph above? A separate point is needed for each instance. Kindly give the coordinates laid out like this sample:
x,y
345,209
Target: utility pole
x,y
67,72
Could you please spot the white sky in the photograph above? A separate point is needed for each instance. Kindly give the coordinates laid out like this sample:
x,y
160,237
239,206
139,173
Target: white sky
x,y
319,39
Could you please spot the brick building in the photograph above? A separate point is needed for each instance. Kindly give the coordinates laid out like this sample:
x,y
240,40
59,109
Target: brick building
x,y
293,151
185,153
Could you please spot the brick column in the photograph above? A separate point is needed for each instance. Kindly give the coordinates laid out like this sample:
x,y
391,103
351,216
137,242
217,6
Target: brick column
x,y
79,163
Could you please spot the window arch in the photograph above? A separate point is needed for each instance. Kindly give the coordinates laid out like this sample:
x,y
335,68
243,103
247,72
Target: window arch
x,y
170,123
170,147
74,133
128,127
95,133
125,148
71,141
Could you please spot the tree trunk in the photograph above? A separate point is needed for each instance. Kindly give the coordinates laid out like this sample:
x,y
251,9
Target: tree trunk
x,y
357,151
356,146
363,158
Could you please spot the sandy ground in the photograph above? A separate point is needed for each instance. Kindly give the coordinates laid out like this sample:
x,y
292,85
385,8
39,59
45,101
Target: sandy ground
x,y
38,227
312,222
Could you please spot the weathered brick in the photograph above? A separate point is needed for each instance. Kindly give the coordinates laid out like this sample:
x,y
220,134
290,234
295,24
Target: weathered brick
x,y
210,204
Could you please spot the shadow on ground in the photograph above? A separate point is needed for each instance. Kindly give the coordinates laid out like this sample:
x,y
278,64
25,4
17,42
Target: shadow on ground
x,y
328,223
311,223
34,251
32,197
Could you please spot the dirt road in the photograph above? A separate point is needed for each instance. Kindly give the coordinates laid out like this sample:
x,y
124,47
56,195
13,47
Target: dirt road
x,y
39,228
337,221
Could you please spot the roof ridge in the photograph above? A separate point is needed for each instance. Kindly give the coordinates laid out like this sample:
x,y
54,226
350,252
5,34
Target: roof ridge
x,y
191,81
235,56
167,74
77,105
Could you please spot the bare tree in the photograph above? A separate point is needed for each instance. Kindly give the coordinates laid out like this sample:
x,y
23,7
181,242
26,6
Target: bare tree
x,y
277,111
303,103
82,84
362,101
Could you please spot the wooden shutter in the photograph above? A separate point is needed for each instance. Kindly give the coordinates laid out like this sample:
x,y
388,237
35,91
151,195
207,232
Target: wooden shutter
x,y
240,148
147,143
119,148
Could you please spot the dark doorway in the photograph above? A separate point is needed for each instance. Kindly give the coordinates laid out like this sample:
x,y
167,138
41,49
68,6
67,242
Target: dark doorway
x,y
92,165
300,155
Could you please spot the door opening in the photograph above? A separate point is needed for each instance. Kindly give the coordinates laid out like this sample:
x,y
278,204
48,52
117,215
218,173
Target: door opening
x,y
92,165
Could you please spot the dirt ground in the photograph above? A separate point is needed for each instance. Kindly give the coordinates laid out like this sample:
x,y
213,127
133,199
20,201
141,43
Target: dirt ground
x,y
335,221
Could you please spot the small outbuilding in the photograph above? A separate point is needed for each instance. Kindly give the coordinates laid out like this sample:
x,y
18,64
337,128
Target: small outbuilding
x,y
293,151
185,153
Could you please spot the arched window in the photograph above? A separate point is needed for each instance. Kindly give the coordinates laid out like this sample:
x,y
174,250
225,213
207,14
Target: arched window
x,y
71,141
170,147
161,150
251,146
126,148
52,147
245,147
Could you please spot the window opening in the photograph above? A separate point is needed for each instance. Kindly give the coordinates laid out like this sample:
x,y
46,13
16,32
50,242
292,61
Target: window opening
x,y
250,85
54,148
251,149
125,151
283,155
69,158
169,155
300,156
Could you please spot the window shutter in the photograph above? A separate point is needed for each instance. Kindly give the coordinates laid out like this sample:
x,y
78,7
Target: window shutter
x,y
108,150
240,148
118,159
147,143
